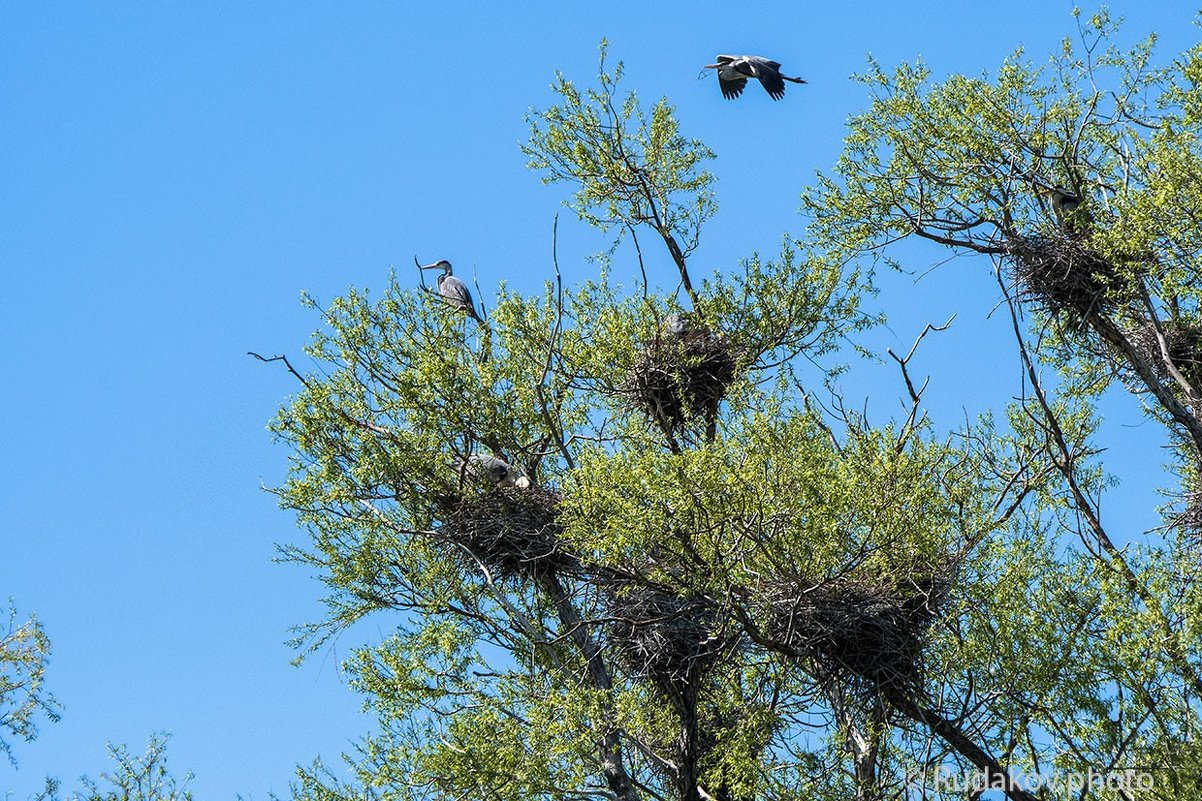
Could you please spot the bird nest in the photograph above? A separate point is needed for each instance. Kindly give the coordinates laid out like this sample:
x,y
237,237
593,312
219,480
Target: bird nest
x,y
669,639
1184,346
866,633
678,376
513,531
1062,276
1189,520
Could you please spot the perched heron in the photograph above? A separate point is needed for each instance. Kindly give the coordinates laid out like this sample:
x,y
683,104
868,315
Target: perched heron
x,y
1064,203
495,469
675,324
733,72
453,290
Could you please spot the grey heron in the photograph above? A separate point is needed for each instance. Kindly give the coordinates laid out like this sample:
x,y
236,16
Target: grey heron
x,y
1062,201
675,324
1065,204
1066,207
495,469
733,72
453,290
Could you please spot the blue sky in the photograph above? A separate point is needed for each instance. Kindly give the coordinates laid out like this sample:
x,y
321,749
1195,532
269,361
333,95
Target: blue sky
x,y
174,175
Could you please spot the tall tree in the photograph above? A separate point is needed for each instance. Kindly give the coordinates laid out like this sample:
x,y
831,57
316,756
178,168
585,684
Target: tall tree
x,y
1076,181
722,582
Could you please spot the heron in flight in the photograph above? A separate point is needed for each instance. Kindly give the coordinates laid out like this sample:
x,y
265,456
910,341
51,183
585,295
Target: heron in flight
x,y
733,72
452,289
495,469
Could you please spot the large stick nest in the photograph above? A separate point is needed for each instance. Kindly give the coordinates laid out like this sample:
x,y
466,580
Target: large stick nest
x,y
867,633
1062,276
669,639
513,531
1184,345
678,376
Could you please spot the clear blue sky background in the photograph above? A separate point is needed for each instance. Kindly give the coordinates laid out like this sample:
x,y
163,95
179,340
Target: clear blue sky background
x,y
173,175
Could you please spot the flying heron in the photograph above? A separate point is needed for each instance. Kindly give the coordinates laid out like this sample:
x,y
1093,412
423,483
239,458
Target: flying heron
x,y
495,469
733,72
452,289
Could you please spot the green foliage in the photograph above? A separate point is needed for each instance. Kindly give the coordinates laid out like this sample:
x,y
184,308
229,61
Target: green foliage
x,y
630,166
771,597
24,652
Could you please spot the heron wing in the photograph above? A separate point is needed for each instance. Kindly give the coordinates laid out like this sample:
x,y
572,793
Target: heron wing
x,y
773,83
731,87
493,468
455,292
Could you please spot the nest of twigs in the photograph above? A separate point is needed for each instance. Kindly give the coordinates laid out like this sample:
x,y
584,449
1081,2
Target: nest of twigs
x,y
1189,520
865,633
1062,276
679,376
666,638
512,531
1184,346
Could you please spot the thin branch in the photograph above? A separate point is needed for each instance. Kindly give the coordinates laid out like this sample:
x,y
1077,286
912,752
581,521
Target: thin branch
x,y
284,359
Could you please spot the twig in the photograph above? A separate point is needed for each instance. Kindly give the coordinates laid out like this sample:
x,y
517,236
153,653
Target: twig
x,y
284,359
915,394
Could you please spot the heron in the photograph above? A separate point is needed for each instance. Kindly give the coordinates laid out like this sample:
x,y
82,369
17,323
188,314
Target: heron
x,y
495,469
675,324
452,289
1065,204
1063,201
733,72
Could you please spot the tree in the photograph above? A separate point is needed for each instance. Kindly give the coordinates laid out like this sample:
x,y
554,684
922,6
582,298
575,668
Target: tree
x,y
134,778
24,652
1106,290
724,583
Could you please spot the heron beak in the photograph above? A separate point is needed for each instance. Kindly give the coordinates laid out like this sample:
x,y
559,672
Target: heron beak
x,y
434,266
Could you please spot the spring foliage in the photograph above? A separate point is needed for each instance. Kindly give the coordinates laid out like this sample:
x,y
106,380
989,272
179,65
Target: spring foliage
x,y
763,595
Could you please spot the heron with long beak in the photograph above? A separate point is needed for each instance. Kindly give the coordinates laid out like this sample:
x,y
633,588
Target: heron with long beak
x,y
452,289
733,72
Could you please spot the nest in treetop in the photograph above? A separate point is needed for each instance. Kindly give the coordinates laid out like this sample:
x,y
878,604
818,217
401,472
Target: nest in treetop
x,y
867,633
671,640
513,531
1184,345
1062,276
678,376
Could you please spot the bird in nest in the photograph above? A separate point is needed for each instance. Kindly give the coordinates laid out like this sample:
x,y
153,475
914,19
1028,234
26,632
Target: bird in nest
x,y
494,469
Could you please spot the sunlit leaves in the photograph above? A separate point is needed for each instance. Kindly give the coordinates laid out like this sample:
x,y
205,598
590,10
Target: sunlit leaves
x,y
24,652
630,166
